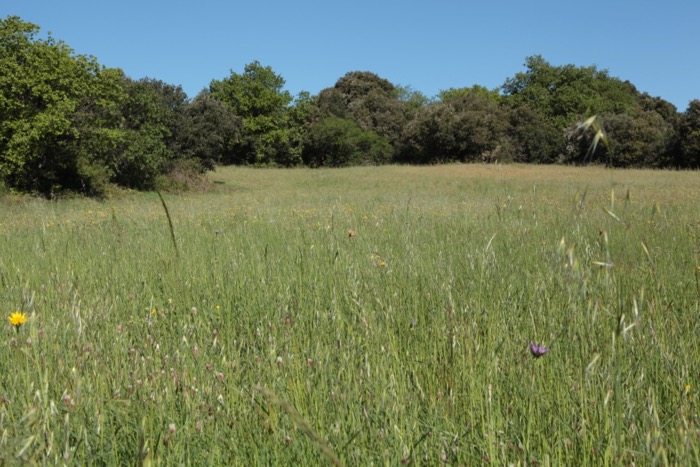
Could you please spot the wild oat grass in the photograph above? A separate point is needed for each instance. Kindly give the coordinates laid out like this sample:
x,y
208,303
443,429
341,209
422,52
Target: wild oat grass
x,y
267,333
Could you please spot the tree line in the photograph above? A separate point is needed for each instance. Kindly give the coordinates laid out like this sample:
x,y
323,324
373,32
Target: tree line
x,y
68,124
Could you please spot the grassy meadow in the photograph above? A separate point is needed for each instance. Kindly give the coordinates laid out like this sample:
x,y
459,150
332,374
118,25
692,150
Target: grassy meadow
x,y
361,316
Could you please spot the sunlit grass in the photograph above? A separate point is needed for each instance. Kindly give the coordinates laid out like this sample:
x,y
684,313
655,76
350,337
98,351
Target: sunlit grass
x,y
277,336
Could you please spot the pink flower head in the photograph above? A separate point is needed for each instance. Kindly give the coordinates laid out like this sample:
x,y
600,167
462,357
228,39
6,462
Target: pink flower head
x,y
538,350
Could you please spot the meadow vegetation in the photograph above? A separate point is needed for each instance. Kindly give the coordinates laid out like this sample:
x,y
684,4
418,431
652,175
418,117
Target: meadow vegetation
x,y
367,315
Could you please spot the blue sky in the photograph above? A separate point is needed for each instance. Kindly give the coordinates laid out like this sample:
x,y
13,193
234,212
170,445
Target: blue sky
x,y
429,46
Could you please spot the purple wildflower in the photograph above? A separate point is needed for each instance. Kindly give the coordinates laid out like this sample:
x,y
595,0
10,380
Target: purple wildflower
x,y
538,350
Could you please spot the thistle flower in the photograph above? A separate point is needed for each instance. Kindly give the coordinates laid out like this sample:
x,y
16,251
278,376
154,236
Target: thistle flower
x,y
17,319
68,401
538,350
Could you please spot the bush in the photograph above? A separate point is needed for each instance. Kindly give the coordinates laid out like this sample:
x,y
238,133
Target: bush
x,y
339,142
184,175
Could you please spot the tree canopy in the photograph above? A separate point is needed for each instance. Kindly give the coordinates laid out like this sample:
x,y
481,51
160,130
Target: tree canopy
x,y
258,98
68,124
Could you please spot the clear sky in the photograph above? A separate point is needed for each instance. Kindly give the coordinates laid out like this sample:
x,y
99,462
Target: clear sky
x,y
428,45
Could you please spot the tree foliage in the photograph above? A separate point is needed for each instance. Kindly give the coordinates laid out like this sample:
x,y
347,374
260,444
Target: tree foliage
x,y
69,124
534,138
208,131
372,102
564,93
44,89
641,130
637,141
340,142
690,136
257,97
412,100
463,126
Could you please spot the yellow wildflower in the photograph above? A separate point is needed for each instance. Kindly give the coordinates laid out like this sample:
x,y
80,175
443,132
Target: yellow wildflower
x,y
17,319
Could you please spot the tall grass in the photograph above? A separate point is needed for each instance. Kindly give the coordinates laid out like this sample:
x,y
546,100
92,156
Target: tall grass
x,y
275,337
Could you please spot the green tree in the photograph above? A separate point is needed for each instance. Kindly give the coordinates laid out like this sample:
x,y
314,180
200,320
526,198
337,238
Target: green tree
x,y
546,100
639,141
207,131
689,135
533,136
44,88
413,100
152,113
100,124
370,101
669,127
464,126
257,97
339,142
455,93
645,137
564,94
300,117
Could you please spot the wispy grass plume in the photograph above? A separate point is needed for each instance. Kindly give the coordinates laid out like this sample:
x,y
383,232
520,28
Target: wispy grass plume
x,y
170,224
